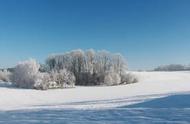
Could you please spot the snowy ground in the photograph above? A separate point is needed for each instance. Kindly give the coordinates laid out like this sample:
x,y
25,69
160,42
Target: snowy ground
x,y
168,110
151,85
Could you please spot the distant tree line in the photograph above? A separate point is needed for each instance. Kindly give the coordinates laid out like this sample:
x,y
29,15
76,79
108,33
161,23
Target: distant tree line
x,y
172,67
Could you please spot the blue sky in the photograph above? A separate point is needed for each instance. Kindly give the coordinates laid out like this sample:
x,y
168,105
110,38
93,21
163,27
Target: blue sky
x,y
147,32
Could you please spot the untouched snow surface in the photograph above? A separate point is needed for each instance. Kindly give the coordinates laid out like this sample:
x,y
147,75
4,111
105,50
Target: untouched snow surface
x,y
151,85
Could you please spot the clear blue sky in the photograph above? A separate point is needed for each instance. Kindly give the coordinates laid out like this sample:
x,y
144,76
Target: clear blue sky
x,y
147,32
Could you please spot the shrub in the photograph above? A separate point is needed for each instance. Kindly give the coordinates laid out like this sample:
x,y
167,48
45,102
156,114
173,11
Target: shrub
x,y
25,74
4,75
112,79
63,78
128,78
43,82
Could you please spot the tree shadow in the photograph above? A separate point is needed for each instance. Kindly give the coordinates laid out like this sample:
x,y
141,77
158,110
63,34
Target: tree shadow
x,y
9,85
173,101
6,84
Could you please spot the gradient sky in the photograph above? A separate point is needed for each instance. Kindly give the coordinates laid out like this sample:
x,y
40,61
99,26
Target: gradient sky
x,y
147,32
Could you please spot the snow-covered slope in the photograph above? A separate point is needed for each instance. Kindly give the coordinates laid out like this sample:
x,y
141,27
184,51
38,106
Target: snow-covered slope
x,y
151,85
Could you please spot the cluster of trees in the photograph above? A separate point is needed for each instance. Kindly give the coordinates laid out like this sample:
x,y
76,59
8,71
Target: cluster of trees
x,y
77,67
91,67
172,67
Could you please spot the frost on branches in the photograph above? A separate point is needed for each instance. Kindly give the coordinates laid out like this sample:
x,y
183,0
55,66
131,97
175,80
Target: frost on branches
x,y
77,67
25,74
91,67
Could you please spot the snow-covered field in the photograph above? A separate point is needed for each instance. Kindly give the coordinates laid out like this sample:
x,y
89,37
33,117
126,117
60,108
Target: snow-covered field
x,y
151,85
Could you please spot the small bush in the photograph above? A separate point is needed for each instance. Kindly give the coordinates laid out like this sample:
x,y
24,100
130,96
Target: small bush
x,y
63,78
128,78
112,79
4,75
25,74
43,81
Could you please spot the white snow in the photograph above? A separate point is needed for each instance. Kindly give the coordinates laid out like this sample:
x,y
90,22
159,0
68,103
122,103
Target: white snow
x,y
151,85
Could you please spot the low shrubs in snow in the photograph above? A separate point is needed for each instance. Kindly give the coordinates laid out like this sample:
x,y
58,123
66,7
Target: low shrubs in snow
x,y
116,79
128,78
63,78
4,75
43,81
112,79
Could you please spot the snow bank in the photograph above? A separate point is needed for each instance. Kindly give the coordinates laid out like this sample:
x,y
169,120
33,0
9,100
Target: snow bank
x,y
151,85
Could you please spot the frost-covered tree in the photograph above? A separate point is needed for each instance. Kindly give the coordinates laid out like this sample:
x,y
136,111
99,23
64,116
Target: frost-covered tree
x,y
25,74
119,63
90,60
78,63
